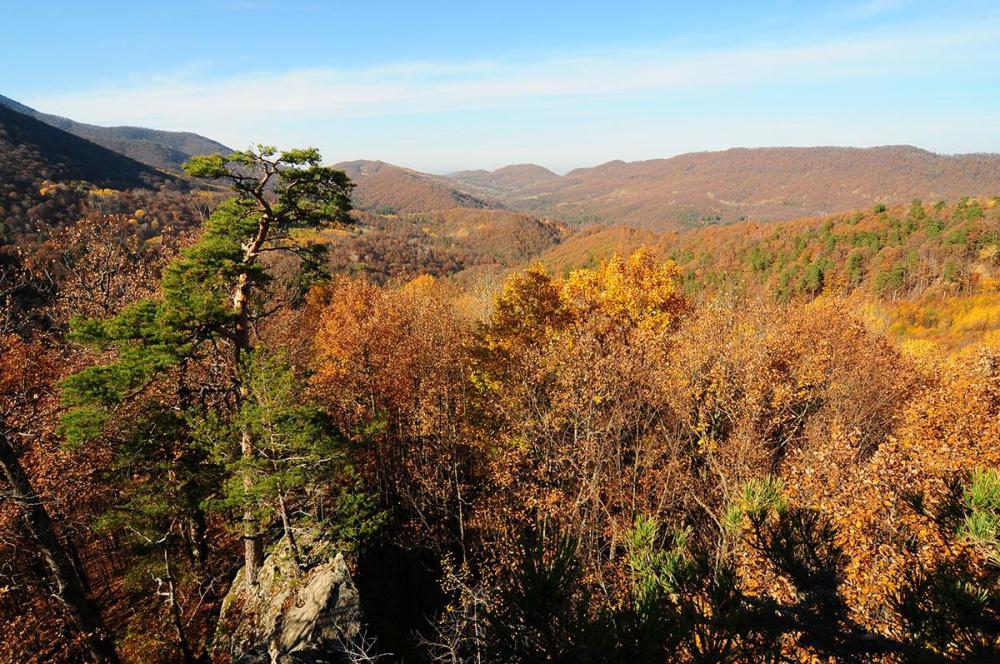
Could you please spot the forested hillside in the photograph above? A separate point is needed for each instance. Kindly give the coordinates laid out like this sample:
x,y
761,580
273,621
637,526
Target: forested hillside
x,y
159,149
891,252
463,242
46,175
929,272
270,424
764,184
384,188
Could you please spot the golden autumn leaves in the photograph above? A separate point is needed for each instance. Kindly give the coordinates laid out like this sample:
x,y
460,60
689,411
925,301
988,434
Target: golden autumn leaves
x,y
448,397
587,401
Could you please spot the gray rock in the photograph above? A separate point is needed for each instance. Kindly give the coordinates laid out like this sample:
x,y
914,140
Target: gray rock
x,y
291,616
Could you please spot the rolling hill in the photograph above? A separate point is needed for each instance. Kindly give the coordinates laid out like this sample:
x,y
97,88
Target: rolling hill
x,y
160,149
460,241
889,252
34,149
764,184
40,164
505,180
392,189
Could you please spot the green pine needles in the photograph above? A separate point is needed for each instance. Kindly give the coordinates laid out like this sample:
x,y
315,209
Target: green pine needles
x,y
187,360
982,511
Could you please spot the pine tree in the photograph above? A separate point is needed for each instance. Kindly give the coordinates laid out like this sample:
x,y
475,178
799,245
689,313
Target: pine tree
x,y
297,457
210,296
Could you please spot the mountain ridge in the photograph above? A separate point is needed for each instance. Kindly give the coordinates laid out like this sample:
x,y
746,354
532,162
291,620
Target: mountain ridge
x,y
507,178
154,147
684,191
60,155
42,171
767,184
385,187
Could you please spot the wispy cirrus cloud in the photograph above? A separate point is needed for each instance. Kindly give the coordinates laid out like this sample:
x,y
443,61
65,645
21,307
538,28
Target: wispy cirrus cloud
x,y
240,107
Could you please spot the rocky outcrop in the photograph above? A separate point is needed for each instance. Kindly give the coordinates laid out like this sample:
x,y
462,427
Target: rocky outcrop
x,y
291,615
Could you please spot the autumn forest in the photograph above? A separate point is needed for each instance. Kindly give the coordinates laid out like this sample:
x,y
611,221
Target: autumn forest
x,y
260,406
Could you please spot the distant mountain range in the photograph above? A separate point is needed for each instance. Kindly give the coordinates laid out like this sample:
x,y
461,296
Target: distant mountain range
x,y
161,149
691,190
382,187
686,191
765,184
506,180
31,150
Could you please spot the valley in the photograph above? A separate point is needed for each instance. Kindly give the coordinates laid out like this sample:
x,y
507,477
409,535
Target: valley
x,y
728,406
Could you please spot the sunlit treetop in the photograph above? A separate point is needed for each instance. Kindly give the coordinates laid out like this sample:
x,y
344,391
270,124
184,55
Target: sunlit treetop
x,y
292,187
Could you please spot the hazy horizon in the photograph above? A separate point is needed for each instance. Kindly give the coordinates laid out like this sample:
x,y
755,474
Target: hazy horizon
x,y
443,89
671,156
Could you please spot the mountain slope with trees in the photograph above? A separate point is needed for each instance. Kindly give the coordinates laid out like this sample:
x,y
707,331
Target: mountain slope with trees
x,y
388,189
763,184
34,149
159,149
701,446
465,243
47,175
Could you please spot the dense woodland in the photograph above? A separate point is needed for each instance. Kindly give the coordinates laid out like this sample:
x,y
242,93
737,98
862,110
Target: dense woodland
x,y
746,443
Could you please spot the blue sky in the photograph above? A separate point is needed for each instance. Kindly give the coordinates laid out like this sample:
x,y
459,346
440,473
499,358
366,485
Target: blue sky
x,y
441,86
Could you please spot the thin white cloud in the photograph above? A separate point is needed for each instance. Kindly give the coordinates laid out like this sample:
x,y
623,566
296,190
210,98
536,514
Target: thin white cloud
x,y
240,108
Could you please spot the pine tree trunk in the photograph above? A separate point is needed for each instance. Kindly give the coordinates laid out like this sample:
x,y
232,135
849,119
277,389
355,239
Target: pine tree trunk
x,y
175,612
286,523
199,539
70,588
253,552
